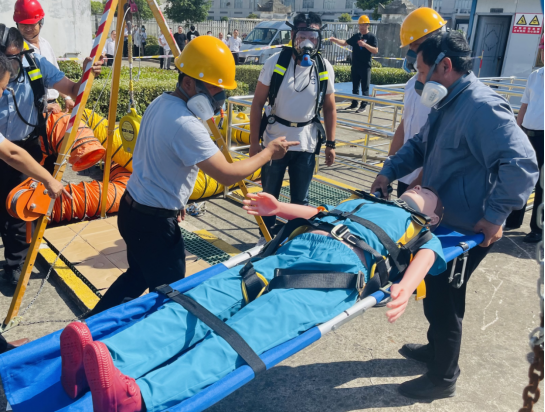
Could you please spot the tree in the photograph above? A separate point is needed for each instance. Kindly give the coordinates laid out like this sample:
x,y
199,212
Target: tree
x,y
224,18
345,18
96,7
252,16
187,10
372,5
144,12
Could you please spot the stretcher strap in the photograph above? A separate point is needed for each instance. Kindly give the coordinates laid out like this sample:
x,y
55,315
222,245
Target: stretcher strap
x,y
393,250
220,328
309,279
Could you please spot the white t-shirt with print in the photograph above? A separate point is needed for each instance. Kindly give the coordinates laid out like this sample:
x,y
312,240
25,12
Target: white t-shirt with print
x,y
295,102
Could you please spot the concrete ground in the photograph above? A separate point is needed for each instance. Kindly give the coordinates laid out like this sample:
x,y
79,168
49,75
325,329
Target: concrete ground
x,y
358,367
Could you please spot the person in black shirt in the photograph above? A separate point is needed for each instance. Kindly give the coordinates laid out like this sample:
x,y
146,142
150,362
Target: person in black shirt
x,y
364,45
180,38
192,34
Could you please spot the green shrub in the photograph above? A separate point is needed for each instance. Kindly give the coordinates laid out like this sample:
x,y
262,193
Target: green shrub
x,y
248,74
72,69
379,76
345,17
151,50
145,91
152,41
375,63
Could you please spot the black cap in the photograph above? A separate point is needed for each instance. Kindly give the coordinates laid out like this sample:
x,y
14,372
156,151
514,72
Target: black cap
x,y
192,27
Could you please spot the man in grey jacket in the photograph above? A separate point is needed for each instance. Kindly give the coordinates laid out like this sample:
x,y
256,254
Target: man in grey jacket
x,y
482,166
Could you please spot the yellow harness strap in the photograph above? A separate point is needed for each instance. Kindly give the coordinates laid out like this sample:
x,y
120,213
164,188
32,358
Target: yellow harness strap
x,y
413,230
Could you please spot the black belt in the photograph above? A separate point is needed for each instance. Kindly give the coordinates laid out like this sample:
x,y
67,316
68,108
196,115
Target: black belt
x,y
32,138
52,101
532,133
149,210
286,123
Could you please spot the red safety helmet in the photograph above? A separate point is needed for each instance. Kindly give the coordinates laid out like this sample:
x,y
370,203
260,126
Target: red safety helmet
x,y
28,12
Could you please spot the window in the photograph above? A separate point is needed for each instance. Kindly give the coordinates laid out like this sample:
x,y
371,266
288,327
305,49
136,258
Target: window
x,y
238,4
290,3
224,4
238,12
329,4
349,4
260,36
308,4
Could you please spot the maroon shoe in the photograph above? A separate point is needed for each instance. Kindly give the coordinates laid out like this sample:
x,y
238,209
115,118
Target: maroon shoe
x,y
74,338
111,390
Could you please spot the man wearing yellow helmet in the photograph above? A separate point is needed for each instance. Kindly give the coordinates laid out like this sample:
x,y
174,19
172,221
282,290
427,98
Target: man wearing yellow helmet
x,y
172,146
416,28
364,45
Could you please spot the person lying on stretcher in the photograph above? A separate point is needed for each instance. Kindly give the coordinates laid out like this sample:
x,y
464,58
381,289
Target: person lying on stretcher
x,y
170,355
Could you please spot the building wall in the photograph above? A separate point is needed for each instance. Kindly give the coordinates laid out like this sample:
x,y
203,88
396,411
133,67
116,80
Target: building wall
x,y
521,49
67,24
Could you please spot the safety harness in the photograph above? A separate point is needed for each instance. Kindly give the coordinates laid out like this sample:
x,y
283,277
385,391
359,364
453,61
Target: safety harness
x,y
398,258
40,96
276,80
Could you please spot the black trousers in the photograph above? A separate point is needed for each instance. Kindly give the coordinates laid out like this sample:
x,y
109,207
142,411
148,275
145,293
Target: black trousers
x,y
444,308
110,60
361,77
155,251
516,217
125,47
161,59
13,231
235,56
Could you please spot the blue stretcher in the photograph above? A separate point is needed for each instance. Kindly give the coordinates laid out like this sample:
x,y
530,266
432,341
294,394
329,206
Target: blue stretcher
x,y
31,373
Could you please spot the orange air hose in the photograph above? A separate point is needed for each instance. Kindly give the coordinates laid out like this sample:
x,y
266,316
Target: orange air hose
x,y
86,197
86,151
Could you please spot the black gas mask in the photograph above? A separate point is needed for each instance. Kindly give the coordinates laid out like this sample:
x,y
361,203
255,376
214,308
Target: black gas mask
x,y
306,42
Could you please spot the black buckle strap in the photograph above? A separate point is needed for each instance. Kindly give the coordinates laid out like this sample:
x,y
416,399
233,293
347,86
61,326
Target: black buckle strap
x,y
291,124
252,285
309,279
220,328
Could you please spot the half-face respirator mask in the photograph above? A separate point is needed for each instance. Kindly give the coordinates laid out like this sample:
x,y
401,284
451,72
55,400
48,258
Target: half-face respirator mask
x,y
431,92
306,42
203,104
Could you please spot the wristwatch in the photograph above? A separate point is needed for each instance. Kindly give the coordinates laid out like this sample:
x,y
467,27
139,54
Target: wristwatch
x,y
330,144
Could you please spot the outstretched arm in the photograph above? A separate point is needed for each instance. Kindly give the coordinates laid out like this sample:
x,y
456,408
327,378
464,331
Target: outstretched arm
x,y
402,291
264,204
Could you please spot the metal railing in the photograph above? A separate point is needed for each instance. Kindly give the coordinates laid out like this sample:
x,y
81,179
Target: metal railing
x,y
377,131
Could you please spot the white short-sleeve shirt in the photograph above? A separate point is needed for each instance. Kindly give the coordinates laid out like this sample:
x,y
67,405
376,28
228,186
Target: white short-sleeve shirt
x,y
415,115
170,143
234,44
46,51
295,102
533,97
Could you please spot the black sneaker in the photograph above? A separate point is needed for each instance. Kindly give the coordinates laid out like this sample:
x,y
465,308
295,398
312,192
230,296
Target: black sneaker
x,y
354,105
15,275
533,237
417,352
362,107
423,388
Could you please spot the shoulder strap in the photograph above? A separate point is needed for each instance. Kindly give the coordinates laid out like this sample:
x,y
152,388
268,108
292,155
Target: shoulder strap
x,y
38,88
220,328
279,71
323,76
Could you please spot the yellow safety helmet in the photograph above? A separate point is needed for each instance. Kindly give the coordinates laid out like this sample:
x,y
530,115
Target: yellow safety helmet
x,y
208,59
419,23
364,20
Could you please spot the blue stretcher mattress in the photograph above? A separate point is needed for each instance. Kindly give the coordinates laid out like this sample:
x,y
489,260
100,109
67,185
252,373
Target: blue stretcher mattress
x,y
31,373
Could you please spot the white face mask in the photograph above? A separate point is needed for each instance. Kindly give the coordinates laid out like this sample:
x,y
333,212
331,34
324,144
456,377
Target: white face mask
x,y
200,106
433,93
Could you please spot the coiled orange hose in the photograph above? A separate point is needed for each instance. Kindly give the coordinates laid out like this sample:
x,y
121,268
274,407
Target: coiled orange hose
x,y
86,197
86,151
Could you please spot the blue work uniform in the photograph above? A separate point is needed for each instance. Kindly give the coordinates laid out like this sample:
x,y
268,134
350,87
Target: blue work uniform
x,y
13,230
482,165
11,125
141,350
